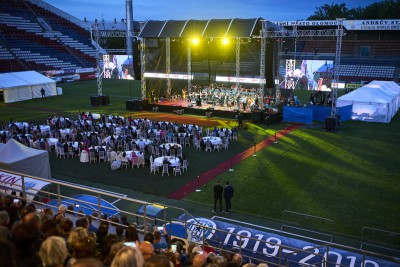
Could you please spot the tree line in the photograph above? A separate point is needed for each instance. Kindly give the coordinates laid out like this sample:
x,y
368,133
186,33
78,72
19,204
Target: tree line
x,y
387,9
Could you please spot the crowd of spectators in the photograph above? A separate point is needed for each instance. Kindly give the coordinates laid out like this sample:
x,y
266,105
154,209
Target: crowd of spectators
x,y
34,237
113,132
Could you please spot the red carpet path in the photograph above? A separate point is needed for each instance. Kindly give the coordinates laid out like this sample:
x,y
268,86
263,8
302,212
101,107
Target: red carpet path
x,y
228,164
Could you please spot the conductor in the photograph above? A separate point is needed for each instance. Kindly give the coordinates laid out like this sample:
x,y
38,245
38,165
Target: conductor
x,y
239,118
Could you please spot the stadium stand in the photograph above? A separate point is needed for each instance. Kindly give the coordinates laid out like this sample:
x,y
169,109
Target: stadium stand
x,y
34,38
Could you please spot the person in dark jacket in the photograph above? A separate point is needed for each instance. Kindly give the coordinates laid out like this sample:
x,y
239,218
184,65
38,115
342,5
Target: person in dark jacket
x,y
228,195
218,190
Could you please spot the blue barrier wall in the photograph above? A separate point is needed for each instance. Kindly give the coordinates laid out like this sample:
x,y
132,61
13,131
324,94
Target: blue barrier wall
x,y
345,112
297,114
314,113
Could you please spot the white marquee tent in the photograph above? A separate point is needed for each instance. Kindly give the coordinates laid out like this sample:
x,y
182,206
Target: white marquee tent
x,y
25,85
388,86
17,157
374,102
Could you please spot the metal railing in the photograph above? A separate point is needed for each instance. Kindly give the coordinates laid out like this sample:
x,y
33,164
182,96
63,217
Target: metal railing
x,y
309,223
379,238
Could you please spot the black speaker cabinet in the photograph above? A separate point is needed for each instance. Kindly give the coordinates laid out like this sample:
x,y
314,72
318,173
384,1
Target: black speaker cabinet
x,y
105,99
257,116
134,104
95,101
330,124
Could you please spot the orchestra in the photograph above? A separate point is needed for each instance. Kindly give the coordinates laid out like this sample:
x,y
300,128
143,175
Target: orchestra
x,y
220,95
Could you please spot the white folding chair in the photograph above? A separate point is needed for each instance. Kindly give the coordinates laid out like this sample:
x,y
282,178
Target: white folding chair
x,y
61,152
135,161
140,162
71,152
216,147
184,165
208,146
165,169
124,162
153,167
102,156
177,169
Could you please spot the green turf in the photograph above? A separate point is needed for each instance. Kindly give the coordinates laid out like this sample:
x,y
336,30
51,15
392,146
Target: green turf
x,y
351,176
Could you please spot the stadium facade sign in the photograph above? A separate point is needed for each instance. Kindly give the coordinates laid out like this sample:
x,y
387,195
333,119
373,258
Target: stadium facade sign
x,y
354,25
266,246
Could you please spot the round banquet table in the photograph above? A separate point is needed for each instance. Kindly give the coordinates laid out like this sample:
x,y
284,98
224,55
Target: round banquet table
x,y
214,140
52,141
169,145
173,160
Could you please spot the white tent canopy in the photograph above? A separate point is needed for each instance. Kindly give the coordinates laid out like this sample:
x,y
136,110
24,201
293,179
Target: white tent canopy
x,y
374,102
387,86
25,85
14,156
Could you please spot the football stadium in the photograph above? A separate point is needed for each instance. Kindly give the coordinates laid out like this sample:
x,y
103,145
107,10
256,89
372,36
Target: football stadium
x,y
168,135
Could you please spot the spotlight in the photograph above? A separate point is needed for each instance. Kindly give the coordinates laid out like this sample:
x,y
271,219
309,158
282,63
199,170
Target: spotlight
x,y
195,41
225,41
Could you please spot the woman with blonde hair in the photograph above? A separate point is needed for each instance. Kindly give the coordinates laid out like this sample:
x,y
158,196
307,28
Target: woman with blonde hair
x,y
53,251
76,234
128,257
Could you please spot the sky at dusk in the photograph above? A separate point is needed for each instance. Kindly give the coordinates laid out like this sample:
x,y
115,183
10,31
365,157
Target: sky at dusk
x,y
272,10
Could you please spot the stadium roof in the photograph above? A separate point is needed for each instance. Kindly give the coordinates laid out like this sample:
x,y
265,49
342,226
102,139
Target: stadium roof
x,y
213,28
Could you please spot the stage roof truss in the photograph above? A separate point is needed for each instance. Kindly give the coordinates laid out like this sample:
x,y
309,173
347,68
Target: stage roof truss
x,y
213,28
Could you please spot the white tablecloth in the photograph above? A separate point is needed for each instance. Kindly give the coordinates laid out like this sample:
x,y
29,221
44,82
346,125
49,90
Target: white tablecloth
x,y
84,156
20,125
45,128
146,141
169,145
95,116
52,141
214,140
159,161
64,132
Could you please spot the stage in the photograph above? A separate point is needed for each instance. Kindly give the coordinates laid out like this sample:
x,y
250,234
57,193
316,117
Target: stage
x,y
191,108
184,107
